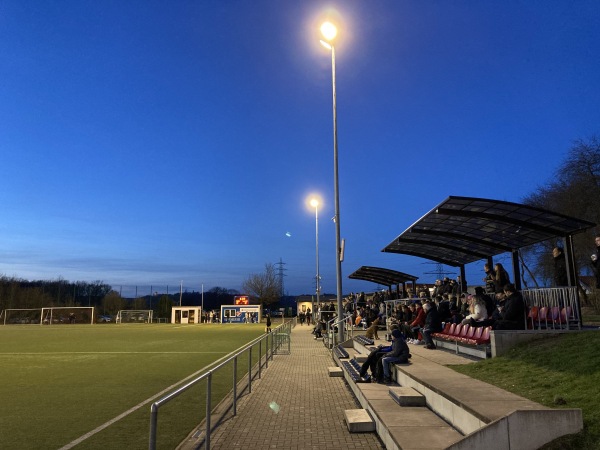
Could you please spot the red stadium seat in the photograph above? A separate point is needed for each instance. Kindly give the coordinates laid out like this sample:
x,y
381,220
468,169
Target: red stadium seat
x,y
532,316
469,335
485,336
443,332
476,336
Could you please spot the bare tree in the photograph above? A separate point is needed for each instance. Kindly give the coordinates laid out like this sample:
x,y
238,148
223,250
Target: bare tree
x,y
264,286
574,190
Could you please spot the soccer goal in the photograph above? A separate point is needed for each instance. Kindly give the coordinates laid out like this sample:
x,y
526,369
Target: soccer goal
x,y
61,315
21,316
134,316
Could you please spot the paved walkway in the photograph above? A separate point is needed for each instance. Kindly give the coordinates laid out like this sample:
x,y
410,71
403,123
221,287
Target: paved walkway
x,y
310,405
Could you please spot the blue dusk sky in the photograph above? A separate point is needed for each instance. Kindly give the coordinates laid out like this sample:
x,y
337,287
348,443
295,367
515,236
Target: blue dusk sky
x,y
158,142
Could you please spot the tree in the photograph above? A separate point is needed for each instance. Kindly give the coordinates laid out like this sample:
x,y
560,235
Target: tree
x,y
574,190
164,306
112,303
264,286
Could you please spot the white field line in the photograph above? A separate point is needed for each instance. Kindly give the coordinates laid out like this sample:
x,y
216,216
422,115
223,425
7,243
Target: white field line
x,y
138,406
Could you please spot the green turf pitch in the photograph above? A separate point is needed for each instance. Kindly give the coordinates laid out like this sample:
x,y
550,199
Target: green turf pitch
x,y
61,382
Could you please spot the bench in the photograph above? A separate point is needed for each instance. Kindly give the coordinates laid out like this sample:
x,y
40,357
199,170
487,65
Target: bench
x,y
474,341
361,339
341,352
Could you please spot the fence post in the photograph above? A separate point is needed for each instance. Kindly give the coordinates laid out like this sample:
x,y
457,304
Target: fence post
x,y
259,357
235,385
250,370
267,352
208,410
153,423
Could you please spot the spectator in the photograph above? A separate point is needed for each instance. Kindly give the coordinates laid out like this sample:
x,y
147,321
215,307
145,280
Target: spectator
x,y
596,261
268,330
478,312
560,267
463,305
443,309
372,362
490,276
302,317
490,305
399,353
455,316
501,278
418,322
462,284
318,331
407,314
433,324
513,312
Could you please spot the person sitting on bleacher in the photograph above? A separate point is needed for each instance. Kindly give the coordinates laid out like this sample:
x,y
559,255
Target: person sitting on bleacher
x,y
399,353
433,324
373,360
513,312
418,322
478,311
318,331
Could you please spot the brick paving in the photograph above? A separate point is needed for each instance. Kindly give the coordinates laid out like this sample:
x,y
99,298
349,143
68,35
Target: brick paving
x,y
311,405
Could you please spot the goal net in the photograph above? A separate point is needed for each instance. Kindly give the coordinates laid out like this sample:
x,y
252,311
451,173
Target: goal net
x,y
21,316
62,315
134,316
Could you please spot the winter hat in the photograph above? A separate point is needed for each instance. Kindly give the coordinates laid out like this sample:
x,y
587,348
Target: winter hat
x,y
396,334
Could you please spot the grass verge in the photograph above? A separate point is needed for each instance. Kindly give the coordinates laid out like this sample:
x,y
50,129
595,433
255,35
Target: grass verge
x,y
558,372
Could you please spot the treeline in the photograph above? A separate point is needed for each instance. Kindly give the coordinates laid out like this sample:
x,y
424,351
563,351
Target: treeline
x,y
574,190
16,293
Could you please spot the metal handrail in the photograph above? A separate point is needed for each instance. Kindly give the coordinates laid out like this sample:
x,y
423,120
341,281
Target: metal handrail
x,y
348,330
285,327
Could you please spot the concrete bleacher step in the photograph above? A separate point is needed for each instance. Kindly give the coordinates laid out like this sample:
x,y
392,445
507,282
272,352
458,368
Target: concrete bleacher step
x,y
335,371
406,396
360,358
359,421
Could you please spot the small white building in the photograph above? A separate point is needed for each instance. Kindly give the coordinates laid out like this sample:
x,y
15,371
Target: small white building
x,y
186,314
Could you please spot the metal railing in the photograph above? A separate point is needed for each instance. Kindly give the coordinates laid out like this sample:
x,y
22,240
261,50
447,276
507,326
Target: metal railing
x,y
285,328
553,308
332,336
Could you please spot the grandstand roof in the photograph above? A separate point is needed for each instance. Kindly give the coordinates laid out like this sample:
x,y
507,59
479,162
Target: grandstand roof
x,y
385,277
461,230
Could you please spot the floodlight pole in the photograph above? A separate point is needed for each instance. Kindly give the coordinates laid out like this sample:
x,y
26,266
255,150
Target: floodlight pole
x,y
336,217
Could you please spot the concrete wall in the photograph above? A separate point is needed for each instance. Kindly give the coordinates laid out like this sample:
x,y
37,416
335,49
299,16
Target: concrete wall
x,y
503,341
524,430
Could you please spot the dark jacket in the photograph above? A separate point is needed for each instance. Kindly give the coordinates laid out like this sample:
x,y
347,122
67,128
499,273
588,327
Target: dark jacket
x,y
399,349
560,271
500,281
596,265
433,322
490,286
513,315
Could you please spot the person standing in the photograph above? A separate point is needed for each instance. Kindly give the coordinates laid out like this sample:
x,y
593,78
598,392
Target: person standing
x,y
560,267
490,276
268,330
501,278
596,261
433,324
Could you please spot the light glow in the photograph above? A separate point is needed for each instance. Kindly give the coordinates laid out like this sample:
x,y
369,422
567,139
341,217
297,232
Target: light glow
x,y
329,31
